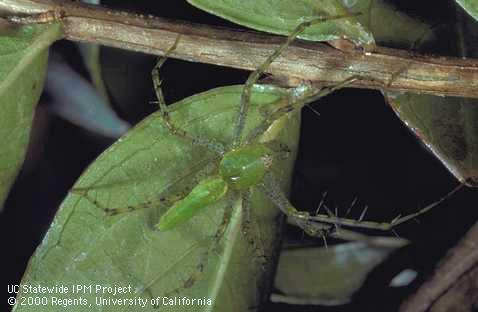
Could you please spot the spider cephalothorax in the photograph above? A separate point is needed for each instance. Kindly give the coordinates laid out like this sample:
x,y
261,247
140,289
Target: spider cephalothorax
x,y
245,166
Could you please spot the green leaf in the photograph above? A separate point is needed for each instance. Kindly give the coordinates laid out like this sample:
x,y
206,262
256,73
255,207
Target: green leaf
x,y
470,6
329,276
23,60
448,127
388,25
281,17
86,246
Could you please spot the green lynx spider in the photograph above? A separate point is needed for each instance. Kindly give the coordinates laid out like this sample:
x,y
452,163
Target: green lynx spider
x,y
245,163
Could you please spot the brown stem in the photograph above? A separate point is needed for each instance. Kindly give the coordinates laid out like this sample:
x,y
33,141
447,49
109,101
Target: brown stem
x,y
454,282
304,61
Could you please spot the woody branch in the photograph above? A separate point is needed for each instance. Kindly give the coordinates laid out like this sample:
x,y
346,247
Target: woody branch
x,y
318,63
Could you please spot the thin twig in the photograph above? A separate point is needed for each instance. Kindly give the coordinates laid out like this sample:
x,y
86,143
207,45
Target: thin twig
x,y
458,263
304,61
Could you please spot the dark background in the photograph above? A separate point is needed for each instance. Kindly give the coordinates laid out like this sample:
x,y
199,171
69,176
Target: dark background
x,y
357,147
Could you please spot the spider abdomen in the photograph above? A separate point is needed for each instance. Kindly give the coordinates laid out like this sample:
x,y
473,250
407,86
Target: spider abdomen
x,y
245,166
207,192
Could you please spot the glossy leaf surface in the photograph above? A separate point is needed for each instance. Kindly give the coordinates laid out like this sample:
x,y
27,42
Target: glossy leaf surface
x,y
470,6
447,126
281,17
388,25
23,61
85,246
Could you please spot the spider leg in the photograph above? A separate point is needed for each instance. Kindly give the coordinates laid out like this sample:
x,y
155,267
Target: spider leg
x,y
281,150
256,246
212,248
254,76
271,188
281,108
163,201
168,195
384,226
320,224
173,129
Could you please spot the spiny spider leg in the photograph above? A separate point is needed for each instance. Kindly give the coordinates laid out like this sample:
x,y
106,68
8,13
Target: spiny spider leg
x,y
385,226
254,76
319,225
173,129
354,201
257,247
321,203
272,190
